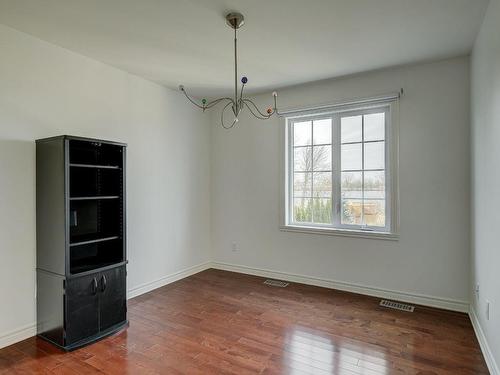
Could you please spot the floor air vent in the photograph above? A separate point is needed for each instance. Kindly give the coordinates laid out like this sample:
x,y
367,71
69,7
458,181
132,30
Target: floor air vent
x,y
397,305
280,284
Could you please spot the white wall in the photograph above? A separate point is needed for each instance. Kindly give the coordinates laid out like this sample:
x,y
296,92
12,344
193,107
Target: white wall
x,y
485,259
431,257
45,91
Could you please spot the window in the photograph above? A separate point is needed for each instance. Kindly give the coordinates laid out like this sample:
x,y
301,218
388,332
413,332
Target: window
x,y
340,171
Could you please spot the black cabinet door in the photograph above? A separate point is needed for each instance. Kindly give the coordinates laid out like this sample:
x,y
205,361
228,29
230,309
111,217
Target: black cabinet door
x,y
112,297
82,308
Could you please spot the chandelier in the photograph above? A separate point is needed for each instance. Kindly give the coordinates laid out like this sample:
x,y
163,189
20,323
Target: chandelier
x,y
237,104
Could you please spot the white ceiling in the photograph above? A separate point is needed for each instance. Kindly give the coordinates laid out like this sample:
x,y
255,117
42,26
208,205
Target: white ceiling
x,y
283,42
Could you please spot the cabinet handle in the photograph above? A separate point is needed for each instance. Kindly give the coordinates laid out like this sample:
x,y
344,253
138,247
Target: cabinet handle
x,y
104,283
94,286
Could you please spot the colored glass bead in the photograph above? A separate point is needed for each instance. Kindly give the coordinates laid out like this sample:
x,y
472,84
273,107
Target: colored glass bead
x,y
244,80
269,110
204,101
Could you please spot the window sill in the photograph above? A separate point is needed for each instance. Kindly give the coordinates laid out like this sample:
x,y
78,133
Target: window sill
x,y
341,232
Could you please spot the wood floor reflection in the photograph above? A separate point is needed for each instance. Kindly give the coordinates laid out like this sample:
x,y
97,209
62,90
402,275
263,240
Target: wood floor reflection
x,y
218,322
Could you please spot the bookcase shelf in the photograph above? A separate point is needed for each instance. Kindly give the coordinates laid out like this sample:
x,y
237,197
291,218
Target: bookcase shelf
x,y
95,198
95,166
93,240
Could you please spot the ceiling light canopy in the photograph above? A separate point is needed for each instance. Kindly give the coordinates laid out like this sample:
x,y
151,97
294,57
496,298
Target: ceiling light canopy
x,y
235,21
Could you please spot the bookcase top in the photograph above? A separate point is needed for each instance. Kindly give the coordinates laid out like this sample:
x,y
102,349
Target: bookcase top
x,y
77,138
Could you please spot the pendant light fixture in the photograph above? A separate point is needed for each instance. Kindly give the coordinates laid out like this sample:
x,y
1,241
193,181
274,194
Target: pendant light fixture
x,y
237,104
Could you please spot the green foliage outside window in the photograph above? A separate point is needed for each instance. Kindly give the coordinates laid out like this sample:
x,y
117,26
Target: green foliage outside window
x,y
314,210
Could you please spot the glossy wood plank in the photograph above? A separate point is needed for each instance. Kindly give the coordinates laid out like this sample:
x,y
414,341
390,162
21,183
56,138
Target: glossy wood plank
x,y
218,322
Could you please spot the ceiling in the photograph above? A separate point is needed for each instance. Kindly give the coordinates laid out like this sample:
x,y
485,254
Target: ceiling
x,y
283,42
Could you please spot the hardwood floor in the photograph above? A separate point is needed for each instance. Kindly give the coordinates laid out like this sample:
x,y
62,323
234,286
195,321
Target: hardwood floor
x,y
218,322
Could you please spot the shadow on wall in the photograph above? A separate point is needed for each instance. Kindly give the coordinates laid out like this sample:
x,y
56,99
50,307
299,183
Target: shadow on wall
x,y
17,233
17,186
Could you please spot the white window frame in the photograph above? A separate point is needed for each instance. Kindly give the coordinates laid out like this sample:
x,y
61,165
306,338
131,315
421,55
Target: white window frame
x,y
391,230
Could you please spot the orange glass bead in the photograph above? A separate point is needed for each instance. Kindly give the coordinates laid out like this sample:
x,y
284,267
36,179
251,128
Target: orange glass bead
x,y
269,110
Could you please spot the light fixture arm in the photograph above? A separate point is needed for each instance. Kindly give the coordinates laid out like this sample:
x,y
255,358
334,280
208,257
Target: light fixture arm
x,y
235,110
235,21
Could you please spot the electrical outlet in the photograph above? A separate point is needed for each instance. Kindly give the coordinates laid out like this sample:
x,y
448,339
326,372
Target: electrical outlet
x,y
487,310
234,246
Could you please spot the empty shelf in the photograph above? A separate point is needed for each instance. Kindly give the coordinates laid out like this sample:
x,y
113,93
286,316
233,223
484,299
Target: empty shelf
x,y
95,166
95,197
84,241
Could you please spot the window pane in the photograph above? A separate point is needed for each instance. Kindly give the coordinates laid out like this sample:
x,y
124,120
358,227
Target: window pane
x,y
361,159
374,213
302,183
374,155
375,127
350,128
323,131
322,160
322,210
351,157
302,133
351,211
302,158
322,184
352,185
302,210
375,185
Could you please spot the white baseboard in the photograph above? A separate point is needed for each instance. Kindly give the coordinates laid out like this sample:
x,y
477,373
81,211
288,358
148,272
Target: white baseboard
x,y
149,286
485,348
17,335
419,299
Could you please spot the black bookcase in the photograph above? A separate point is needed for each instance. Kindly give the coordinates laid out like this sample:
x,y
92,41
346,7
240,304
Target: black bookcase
x,y
81,239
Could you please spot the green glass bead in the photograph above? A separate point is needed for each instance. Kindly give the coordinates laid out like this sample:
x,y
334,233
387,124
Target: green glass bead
x,y
204,101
